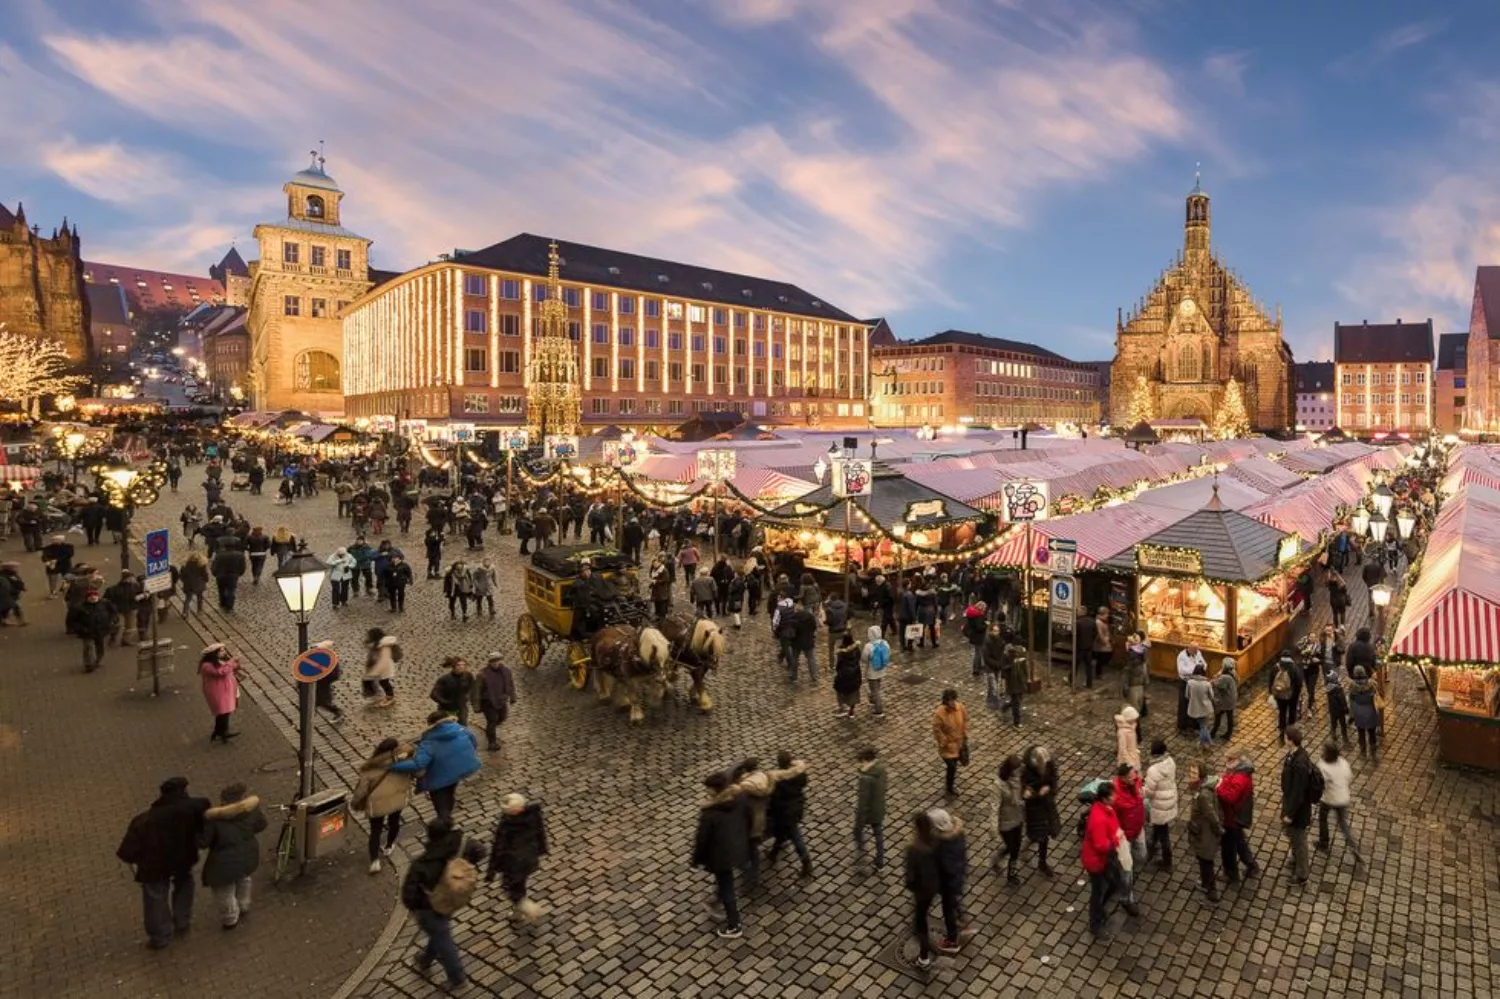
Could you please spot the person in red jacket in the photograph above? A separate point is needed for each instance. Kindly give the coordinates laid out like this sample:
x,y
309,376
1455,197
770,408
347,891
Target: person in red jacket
x,y
1130,809
1236,793
1101,834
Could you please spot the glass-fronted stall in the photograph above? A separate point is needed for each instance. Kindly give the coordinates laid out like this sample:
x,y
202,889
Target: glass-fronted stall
x,y
1468,714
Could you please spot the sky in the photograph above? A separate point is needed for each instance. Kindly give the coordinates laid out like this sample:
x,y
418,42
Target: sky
x,y
1011,167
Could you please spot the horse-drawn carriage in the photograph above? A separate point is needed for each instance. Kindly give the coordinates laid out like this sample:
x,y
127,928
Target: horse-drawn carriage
x,y
608,629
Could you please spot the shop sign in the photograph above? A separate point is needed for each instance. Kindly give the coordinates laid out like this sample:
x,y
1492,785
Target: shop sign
x,y
852,477
717,464
623,453
414,428
1024,501
926,508
461,433
1288,549
1181,561
383,424
559,446
515,439
1066,505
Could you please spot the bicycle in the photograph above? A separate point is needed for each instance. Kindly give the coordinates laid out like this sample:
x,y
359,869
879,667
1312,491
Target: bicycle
x,y
286,843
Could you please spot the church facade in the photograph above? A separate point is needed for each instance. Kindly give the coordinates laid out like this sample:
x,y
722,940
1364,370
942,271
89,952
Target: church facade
x,y
41,284
1198,328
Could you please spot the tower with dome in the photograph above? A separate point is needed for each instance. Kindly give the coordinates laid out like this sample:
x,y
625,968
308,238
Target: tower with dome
x,y
1196,329
310,268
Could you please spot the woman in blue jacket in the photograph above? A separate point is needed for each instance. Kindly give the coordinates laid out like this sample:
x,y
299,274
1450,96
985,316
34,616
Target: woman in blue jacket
x,y
445,755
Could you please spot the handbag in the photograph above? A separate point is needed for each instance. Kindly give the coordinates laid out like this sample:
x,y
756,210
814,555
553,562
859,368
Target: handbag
x,y
913,633
963,752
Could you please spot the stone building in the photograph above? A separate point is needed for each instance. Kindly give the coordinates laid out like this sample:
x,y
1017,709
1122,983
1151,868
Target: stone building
x,y
310,269
110,330
1196,329
1482,359
1450,383
1384,377
1315,405
41,284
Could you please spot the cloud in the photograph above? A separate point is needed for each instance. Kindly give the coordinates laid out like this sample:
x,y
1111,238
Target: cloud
x,y
847,155
110,172
1227,69
1368,57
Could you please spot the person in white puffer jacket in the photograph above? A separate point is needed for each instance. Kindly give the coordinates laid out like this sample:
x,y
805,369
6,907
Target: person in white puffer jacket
x,y
1337,777
1160,792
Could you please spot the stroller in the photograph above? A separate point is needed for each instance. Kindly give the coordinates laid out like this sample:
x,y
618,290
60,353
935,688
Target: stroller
x,y
240,482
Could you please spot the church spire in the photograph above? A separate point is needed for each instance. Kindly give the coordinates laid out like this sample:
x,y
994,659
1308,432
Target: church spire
x,y
1196,228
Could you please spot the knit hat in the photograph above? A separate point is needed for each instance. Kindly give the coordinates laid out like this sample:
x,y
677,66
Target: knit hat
x,y
514,802
215,647
1359,673
942,822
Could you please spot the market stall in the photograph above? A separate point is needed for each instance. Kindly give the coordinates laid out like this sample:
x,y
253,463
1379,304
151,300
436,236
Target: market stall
x,y
1217,579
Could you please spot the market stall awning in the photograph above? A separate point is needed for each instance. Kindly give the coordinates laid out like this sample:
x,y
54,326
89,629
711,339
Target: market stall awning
x,y
894,499
1231,546
1099,534
1453,611
19,473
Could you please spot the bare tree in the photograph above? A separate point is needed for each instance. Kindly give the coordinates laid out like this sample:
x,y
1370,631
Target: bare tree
x,y
31,368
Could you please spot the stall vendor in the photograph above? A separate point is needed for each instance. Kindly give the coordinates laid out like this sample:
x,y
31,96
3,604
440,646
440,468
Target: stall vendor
x,y
1189,660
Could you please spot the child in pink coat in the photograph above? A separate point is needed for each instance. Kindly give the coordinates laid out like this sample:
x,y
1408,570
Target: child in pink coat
x,y
221,688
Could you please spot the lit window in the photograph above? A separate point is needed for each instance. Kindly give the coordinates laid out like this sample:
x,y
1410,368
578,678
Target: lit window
x,y
697,314
474,321
511,404
627,407
474,359
474,284
477,402
674,310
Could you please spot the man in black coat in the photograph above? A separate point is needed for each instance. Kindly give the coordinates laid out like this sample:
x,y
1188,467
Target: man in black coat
x,y
634,536
229,567
443,844
92,519
722,845
804,631
1361,652
92,620
519,846
123,598
161,843
1297,800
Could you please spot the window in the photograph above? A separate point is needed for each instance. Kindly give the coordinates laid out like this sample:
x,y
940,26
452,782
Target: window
x,y
600,300
575,330
653,339
1458,400
699,372
760,377
314,206
511,404
653,370
474,284
739,376
719,345
1359,379
1406,398
291,305
739,348
674,407
571,297
739,320
760,323
775,351
1348,378
319,256
627,336
1422,377
601,367
674,371
699,342
697,313
290,252
474,359
343,259
721,376
599,406
539,292
627,367
319,308
627,407
721,317
674,340
510,289
316,371
474,321
510,325
1459,381
1406,378
674,310
601,333
476,402
510,361
653,308
653,407
627,305
342,306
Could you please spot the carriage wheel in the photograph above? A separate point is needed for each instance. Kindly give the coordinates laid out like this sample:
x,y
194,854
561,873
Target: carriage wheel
x,y
528,641
578,665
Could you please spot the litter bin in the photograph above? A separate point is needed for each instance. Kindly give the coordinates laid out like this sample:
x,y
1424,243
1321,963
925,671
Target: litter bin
x,y
322,823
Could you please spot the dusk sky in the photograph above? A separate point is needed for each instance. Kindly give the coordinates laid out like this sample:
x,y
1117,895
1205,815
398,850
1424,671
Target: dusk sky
x,y
1014,168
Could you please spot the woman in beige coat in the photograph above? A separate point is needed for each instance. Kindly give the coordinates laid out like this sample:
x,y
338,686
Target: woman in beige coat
x,y
382,795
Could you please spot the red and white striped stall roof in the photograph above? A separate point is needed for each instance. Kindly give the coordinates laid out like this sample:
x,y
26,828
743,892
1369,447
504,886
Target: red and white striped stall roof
x,y
19,473
1100,534
1453,611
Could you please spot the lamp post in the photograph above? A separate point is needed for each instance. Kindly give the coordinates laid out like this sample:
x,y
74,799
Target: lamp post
x,y
1380,596
1378,526
1406,521
300,581
1383,498
1360,521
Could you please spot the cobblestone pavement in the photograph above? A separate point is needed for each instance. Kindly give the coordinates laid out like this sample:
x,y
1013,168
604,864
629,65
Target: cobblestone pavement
x,y
79,755
627,911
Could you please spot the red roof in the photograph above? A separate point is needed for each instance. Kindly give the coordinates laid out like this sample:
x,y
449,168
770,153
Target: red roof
x,y
149,290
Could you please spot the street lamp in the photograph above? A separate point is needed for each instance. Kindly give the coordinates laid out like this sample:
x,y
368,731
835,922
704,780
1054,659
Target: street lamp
x,y
1383,499
1378,526
127,487
1360,521
300,580
1405,522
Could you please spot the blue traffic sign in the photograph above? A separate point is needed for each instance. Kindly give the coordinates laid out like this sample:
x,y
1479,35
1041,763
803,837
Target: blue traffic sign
x,y
314,664
158,560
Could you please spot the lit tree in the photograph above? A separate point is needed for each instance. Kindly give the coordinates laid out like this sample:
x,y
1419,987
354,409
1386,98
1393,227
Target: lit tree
x,y
1140,408
31,368
1230,422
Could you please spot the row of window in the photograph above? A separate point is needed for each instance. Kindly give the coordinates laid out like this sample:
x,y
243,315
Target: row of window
x,y
317,308
1014,391
1417,418
985,412
1010,369
918,388
483,404
911,411
1358,377
476,360
1388,399
317,256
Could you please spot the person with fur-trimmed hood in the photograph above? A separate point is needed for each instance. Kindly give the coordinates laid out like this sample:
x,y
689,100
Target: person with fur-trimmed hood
x,y
755,786
785,808
721,845
1039,783
233,851
382,796
520,844
952,855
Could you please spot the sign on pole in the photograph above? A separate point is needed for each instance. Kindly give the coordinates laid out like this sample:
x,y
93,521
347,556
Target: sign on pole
x,y
383,424
1061,556
1062,610
717,464
314,664
414,428
158,561
561,446
852,477
515,439
1024,501
461,433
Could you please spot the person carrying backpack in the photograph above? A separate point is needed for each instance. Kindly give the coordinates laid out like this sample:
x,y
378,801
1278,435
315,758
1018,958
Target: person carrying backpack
x,y
877,658
1286,691
438,884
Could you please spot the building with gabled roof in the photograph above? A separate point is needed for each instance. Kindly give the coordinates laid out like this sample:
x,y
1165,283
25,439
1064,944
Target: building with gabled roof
x,y
41,283
150,290
1450,383
1383,375
1482,380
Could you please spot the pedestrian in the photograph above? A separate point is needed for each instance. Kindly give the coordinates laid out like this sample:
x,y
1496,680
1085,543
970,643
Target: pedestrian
x,y
950,727
494,691
1130,808
785,809
456,588
1136,676
57,561
703,593
257,547
1039,800
1337,776
12,586
1236,791
804,629
1286,691
483,581
437,884
869,803
661,586
1300,788
1103,645
993,654
1338,704
1127,744
229,566
161,844
445,755
975,632
1101,838
520,844
1205,825
452,689
687,561
876,656
1160,792
221,688
952,853
1017,674
382,653
233,852
736,600
1362,704
1338,598
1007,817
341,569
1361,653
1188,661
847,674
382,796
754,785
123,598
1201,704
323,688
924,882
721,845
396,578
1226,690
91,622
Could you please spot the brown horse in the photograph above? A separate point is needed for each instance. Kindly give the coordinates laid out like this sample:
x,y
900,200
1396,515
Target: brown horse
x,y
697,643
628,662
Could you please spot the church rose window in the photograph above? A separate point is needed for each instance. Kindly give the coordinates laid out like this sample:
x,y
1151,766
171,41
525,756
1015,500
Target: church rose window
x,y
317,371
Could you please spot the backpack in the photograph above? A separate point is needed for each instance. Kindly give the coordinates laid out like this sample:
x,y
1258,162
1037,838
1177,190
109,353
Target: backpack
x,y
396,653
1281,684
880,654
1315,784
455,888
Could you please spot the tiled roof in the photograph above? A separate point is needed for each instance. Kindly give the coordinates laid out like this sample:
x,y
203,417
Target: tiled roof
x,y
1453,350
148,290
316,228
107,304
881,334
6,218
964,338
892,498
232,263
1383,343
1234,546
1487,287
1314,376
593,265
